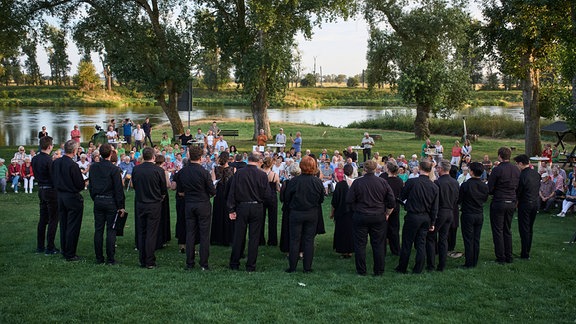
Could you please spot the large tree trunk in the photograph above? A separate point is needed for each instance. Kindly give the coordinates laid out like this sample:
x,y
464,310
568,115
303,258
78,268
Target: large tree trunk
x,y
530,99
171,110
260,114
421,123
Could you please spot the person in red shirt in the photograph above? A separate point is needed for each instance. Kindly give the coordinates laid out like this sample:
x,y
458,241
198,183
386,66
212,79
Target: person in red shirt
x,y
14,174
75,134
27,175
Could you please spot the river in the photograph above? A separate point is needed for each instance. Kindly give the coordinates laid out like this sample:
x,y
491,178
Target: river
x,y
20,125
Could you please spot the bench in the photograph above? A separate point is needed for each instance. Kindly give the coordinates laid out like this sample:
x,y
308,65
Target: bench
x,y
229,132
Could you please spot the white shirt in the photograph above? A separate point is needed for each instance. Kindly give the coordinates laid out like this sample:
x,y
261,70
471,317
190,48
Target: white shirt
x,y
138,134
280,138
219,144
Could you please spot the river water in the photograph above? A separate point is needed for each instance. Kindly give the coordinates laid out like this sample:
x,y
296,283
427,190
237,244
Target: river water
x,y
20,126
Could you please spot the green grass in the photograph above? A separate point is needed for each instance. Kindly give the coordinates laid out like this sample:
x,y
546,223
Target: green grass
x,y
38,288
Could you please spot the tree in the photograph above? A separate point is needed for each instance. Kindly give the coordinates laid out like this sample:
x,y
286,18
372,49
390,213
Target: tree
x,y
525,33
340,78
309,81
258,37
87,78
352,82
145,43
12,28
34,77
420,41
57,55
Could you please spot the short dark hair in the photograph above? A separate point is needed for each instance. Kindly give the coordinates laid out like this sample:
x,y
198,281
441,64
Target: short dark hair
x,y
148,153
348,170
522,158
425,166
159,159
105,150
223,158
504,153
195,153
476,168
370,166
392,167
70,146
45,142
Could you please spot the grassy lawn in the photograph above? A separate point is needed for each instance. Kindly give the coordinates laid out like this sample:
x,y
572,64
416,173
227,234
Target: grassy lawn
x,y
39,288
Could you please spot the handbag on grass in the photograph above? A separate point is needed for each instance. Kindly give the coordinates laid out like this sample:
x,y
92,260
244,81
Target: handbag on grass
x,y
119,223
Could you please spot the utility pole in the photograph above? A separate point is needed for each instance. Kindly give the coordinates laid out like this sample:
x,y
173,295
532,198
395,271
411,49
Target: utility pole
x,y
320,76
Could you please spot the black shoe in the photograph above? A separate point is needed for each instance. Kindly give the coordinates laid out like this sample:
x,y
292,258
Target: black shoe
x,y
398,270
465,267
183,250
430,268
289,270
39,250
112,263
308,271
52,252
188,268
235,268
73,259
100,262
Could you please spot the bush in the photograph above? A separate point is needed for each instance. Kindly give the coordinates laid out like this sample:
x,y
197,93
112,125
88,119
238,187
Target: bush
x,y
352,82
308,81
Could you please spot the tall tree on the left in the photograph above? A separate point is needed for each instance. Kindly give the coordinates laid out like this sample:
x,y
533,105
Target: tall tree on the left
x,y
12,28
145,42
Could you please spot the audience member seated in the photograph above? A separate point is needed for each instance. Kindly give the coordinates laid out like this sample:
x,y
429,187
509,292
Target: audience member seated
x,y
568,201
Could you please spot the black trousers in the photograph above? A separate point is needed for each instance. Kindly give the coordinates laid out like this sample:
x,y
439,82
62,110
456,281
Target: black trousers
x,y
437,241
526,217
104,215
471,230
414,232
149,137
128,139
138,145
198,221
393,231
367,154
70,210
48,218
148,215
248,217
375,226
180,219
302,233
501,222
271,209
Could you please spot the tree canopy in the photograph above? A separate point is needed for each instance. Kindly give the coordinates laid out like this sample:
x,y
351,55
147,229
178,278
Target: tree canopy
x,y
417,47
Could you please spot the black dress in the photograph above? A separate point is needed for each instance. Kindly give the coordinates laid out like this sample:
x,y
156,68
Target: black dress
x,y
285,225
271,210
164,233
222,230
343,234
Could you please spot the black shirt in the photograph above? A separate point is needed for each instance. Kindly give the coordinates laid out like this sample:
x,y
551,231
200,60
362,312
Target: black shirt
x,y
66,175
195,182
421,195
473,195
106,180
42,166
304,193
528,186
147,127
353,155
371,195
248,184
503,182
448,194
184,139
149,183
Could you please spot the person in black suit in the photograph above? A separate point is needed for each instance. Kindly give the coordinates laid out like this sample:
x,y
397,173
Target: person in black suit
x,y
528,196
372,200
197,185
448,201
502,185
248,190
42,166
149,183
107,192
304,197
421,196
69,182
393,228
473,194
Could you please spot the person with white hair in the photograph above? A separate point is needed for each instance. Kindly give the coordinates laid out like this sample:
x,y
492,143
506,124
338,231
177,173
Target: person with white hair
x,y
367,143
84,166
20,155
413,163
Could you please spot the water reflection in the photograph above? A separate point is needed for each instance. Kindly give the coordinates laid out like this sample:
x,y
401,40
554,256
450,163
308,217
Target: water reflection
x,y
20,126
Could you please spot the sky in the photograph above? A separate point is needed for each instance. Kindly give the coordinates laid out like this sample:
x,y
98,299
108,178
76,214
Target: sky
x,y
339,48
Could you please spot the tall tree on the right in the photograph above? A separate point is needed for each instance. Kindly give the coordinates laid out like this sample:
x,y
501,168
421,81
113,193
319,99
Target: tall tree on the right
x,y
525,33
